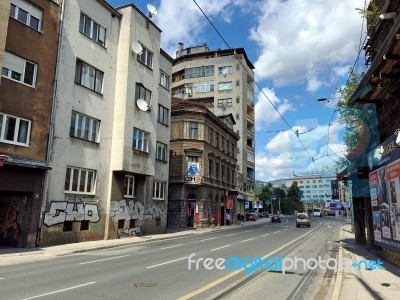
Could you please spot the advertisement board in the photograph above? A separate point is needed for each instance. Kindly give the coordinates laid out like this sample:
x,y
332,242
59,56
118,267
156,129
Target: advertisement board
x,y
384,184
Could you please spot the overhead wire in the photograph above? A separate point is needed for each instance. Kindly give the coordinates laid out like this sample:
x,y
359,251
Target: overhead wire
x,y
259,87
350,74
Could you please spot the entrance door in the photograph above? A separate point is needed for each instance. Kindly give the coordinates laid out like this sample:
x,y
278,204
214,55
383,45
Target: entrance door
x,y
222,215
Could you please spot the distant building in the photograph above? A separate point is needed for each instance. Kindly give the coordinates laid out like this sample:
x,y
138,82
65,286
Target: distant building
x,y
222,80
203,161
316,189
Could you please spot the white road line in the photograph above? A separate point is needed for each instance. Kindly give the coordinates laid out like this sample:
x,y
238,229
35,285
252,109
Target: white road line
x,y
208,239
171,247
231,234
168,262
260,229
59,291
265,234
1,278
219,248
276,231
93,261
247,240
249,230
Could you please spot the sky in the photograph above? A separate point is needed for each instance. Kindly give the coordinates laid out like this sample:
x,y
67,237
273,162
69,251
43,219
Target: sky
x,y
302,51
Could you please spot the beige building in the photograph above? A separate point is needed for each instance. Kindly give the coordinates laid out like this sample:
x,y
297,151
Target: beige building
x,y
203,160
222,80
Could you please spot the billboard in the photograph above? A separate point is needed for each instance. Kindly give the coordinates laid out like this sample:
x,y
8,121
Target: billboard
x,y
384,184
335,189
335,206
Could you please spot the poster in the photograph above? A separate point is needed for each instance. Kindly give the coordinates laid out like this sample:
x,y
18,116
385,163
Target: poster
x,y
384,186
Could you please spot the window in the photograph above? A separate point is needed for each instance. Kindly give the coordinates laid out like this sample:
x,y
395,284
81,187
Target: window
x,y
163,115
193,130
225,70
217,170
18,69
92,30
223,173
129,185
146,57
211,135
199,71
140,140
84,127
210,167
142,93
205,86
14,130
161,151
225,86
158,190
193,159
225,102
78,180
217,139
164,80
26,13
88,76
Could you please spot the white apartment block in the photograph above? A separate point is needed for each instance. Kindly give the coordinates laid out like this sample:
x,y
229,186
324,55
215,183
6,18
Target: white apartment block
x,y
223,80
109,158
315,188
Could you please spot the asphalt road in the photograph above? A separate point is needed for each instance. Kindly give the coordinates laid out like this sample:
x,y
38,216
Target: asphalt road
x,y
160,269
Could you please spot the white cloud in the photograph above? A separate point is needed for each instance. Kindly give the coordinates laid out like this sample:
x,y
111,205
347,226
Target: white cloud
x,y
306,41
267,106
285,153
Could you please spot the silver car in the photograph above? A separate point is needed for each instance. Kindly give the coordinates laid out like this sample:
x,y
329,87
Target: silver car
x,y
303,219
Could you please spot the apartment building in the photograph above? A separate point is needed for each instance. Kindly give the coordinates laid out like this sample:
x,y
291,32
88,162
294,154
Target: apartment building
x,y
26,91
317,190
223,81
111,131
203,161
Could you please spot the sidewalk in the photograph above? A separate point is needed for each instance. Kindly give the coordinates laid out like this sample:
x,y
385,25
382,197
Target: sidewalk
x,y
9,256
363,284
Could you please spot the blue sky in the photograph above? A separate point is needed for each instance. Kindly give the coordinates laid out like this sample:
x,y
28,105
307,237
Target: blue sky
x,y
302,50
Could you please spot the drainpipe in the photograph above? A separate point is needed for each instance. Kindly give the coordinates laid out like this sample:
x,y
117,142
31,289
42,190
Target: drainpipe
x,y
51,129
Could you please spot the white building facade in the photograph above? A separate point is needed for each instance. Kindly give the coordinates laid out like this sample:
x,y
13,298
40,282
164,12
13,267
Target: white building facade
x,y
105,150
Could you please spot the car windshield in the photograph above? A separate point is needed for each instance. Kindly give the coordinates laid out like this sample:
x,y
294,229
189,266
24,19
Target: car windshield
x,y
302,216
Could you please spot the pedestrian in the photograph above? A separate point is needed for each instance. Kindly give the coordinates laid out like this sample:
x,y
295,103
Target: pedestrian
x,y
228,218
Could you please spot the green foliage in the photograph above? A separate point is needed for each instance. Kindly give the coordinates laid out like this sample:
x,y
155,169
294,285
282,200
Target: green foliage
x,y
371,14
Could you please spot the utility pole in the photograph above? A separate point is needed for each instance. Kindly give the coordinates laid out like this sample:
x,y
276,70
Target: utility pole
x,y
279,199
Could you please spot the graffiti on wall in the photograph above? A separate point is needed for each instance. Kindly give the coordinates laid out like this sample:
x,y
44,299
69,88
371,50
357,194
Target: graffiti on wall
x,y
8,223
62,211
126,232
131,210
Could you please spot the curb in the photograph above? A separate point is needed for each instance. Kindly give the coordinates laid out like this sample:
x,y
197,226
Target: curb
x,y
339,273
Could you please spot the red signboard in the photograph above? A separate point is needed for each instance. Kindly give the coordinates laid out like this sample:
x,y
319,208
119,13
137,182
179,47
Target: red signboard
x,y
229,203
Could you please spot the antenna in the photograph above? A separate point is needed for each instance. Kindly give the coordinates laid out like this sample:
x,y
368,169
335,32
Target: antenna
x,y
136,48
142,104
152,10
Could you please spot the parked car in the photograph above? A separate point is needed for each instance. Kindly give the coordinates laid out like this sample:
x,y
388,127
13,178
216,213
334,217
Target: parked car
x,y
251,217
331,213
275,219
303,219
265,214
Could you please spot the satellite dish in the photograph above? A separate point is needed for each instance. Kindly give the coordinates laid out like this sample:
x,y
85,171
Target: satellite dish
x,y
152,10
142,104
136,48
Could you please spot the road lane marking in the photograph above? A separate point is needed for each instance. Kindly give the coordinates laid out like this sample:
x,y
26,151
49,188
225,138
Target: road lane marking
x,y
208,239
93,261
260,229
249,230
219,248
236,272
276,231
59,291
231,234
171,247
265,234
247,240
167,262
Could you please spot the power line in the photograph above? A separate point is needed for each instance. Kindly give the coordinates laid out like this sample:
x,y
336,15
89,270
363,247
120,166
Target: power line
x,y
259,87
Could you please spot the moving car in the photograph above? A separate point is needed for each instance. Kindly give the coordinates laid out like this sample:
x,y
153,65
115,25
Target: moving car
x,y
275,219
303,219
317,212
251,217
